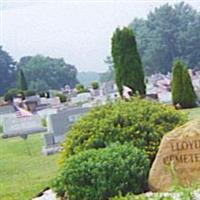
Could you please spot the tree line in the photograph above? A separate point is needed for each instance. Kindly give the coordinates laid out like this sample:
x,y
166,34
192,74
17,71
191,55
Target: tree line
x,y
168,32
42,73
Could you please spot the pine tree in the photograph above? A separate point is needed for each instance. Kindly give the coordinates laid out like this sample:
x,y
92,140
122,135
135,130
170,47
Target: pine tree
x,y
182,89
177,82
22,81
127,62
188,94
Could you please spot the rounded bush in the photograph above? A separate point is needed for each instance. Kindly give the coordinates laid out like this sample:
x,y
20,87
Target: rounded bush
x,y
13,92
62,97
29,93
103,173
140,121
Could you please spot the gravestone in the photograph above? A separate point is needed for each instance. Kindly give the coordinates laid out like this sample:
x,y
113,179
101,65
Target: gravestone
x,y
178,158
50,147
6,109
83,97
52,101
46,112
58,124
49,139
13,126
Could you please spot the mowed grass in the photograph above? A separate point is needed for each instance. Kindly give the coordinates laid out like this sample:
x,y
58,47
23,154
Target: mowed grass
x,y
24,173
193,113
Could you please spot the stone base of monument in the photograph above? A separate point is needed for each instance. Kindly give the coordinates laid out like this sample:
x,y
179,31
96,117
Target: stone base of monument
x,y
51,144
51,149
178,159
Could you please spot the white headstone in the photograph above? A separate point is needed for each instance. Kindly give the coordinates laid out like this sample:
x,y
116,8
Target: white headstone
x,y
13,126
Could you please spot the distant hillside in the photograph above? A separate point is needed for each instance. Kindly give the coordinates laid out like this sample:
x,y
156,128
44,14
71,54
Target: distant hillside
x,y
86,78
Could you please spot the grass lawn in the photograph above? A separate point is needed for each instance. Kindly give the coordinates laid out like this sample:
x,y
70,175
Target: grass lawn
x,y
22,175
193,113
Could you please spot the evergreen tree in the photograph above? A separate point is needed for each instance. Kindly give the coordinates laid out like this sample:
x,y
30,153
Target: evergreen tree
x,y
188,94
95,85
177,82
22,81
182,89
127,63
7,72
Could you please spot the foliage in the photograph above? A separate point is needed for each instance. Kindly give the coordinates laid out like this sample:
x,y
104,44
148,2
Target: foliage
x,y
100,174
44,122
188,94
24,176
177,82
7,72
109,74
169,32
29,93
95,85
182,89
13,92
139,121
62,97
45,73
127,63
192,113
39,86
86,78
1,129
80,88
22,81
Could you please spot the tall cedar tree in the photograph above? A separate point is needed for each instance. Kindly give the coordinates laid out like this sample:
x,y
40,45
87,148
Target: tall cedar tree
x,y
182,89
177,82
127,62
188,94
22,81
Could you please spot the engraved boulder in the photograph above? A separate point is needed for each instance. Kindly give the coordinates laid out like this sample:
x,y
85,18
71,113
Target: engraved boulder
x,y
178,159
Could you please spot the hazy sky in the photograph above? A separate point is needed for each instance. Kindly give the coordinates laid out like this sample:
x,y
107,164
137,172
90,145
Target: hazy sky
x,y
78,31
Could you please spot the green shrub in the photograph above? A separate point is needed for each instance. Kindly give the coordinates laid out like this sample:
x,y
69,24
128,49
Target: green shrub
x,y
44,122
103,173
13,92
80,88
1,129
29,93
139,121
62,97
95,85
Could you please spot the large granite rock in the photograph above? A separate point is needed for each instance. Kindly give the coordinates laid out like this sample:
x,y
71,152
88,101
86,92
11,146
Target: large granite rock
x,y
178,158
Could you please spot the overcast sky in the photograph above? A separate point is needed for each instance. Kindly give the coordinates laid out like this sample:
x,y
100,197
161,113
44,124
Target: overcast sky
x,y
78,31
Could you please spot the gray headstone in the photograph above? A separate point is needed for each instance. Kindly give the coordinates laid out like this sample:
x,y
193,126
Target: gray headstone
x,y
50,146
13,126
58,124
6,109
48,140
